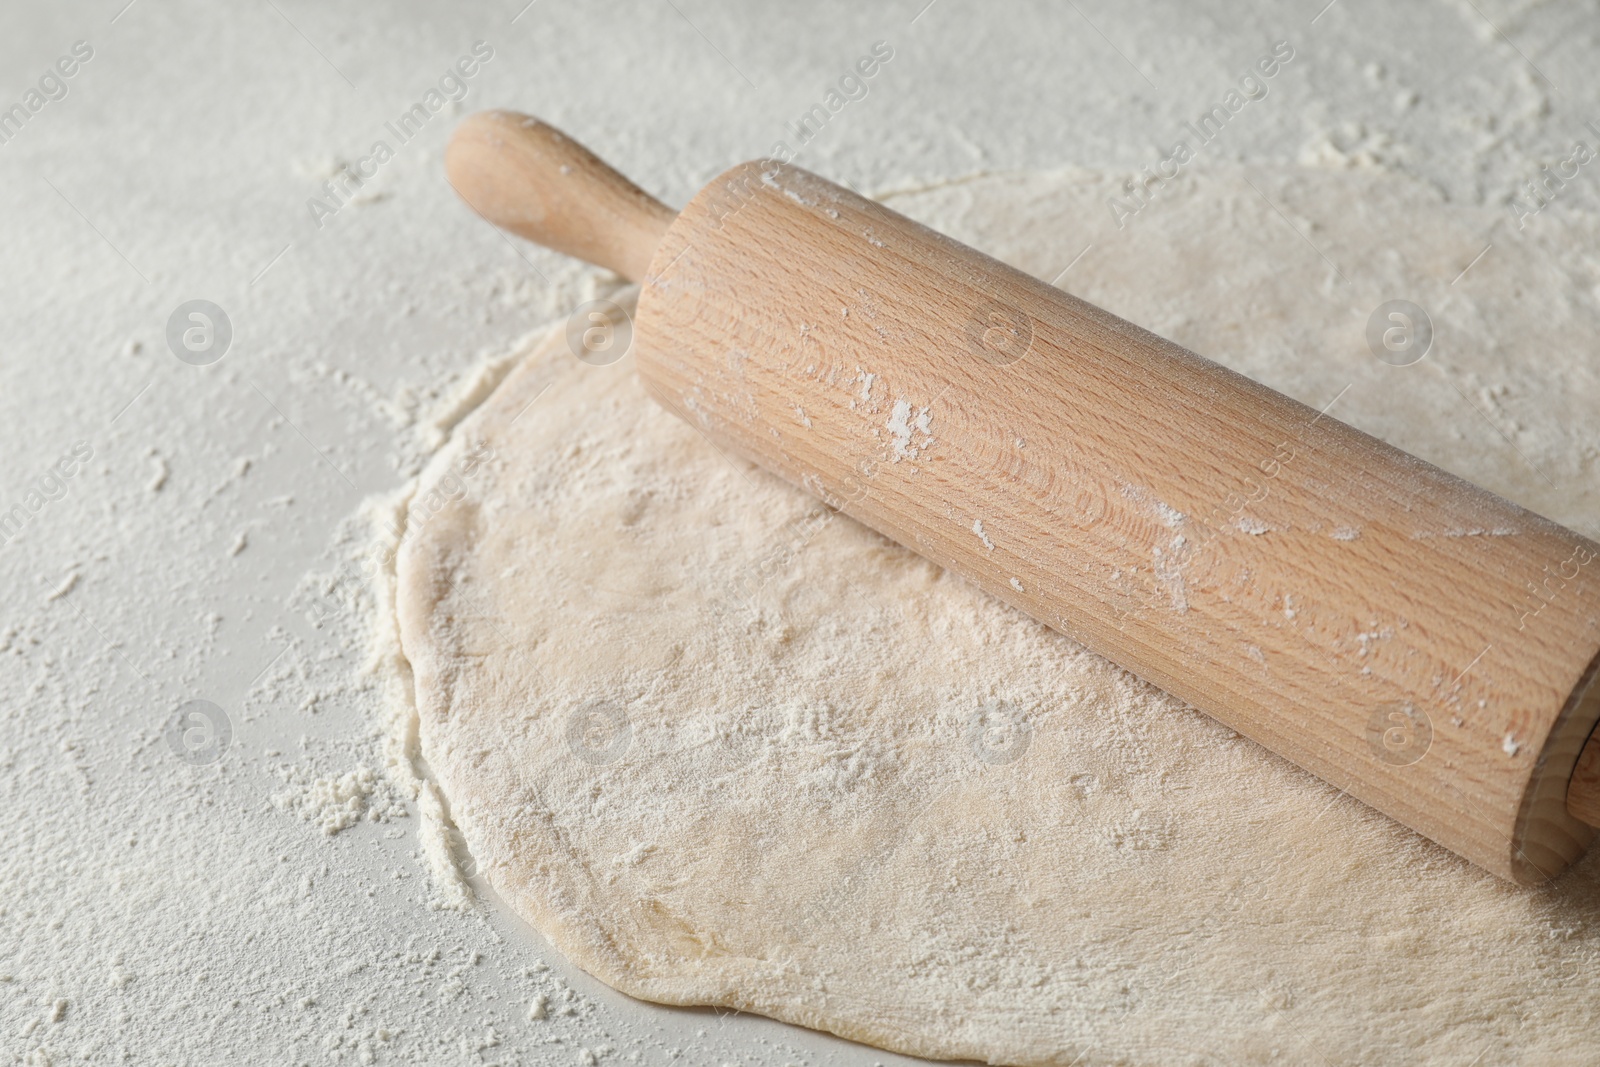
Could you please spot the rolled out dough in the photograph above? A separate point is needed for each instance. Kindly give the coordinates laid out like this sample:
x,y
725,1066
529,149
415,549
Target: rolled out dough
x,y
723,746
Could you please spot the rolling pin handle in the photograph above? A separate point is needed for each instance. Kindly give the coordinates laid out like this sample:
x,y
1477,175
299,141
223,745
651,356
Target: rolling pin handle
x,y
535,181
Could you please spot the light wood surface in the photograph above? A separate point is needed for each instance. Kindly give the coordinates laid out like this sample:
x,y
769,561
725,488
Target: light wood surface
x,y
1310,586
1583,793
535,181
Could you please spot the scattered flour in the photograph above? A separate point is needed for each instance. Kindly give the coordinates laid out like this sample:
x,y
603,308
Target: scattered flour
x,y
335,804
904,426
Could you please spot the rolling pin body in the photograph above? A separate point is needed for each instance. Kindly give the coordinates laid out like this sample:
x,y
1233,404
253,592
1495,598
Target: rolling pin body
x,y
1413,639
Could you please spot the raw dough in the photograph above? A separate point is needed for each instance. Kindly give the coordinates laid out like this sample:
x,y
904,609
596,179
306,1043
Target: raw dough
x,y
723,746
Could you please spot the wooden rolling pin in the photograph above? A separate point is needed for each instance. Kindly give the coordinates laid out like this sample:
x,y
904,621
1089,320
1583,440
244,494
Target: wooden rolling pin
x,y
1411,638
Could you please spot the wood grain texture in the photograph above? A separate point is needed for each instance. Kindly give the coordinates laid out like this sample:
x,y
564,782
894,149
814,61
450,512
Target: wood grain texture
x,y
1583,792
532,179
1409,637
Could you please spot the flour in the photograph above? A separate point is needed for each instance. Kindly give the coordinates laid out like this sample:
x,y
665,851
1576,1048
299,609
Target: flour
x,y
904,426
334,804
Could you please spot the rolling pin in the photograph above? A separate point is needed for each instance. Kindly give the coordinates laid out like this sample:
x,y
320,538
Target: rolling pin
x,y
1413,639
